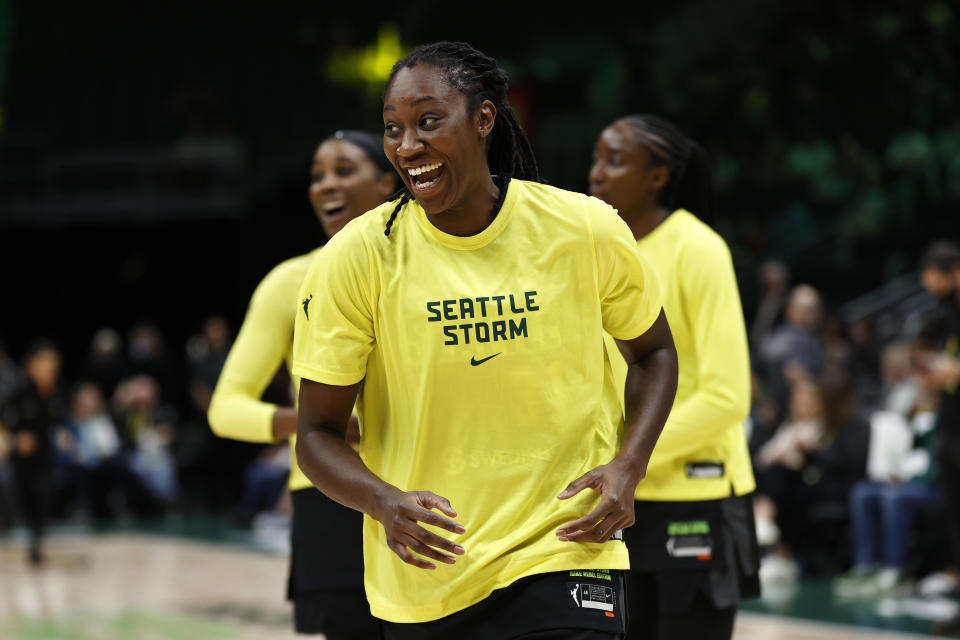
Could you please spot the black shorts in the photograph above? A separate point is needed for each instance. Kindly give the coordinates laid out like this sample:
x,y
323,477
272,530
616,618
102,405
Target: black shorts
x,y
706,548
558,605
326,569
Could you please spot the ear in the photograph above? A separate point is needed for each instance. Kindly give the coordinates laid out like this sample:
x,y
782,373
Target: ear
x,y
486,118
387,184
659,177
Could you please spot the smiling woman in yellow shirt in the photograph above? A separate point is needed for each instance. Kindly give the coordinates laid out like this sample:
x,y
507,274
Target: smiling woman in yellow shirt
x,y
696,554
467,319
348,176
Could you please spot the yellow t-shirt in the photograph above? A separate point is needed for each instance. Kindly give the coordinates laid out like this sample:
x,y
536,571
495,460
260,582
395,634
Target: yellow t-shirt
x,y
702,452
486,378
264,342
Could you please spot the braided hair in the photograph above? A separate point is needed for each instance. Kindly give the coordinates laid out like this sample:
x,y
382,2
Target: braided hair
x,y
691,185
477,76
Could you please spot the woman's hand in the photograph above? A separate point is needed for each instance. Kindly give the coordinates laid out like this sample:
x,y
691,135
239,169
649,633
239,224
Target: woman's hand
x,y
400,513
616,483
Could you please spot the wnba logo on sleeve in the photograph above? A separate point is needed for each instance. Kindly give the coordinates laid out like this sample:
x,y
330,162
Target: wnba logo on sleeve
x,y
483,319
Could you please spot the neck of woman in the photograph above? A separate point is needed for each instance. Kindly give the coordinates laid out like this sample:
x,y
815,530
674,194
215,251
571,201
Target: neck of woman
x,y
645,219
474,214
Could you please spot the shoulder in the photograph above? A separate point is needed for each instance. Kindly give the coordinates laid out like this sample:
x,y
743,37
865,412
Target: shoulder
x,y
284,280
588,217
697,241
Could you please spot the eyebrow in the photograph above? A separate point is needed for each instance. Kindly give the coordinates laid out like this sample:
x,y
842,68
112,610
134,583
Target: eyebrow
x,y
390,107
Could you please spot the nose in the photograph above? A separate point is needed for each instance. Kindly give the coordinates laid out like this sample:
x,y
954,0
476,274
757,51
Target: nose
x,y
410,144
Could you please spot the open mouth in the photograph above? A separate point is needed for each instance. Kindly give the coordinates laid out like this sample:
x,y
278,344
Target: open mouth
x,y
333,208
425,176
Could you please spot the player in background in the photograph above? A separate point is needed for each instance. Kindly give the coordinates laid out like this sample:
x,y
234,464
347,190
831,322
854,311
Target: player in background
x,y
695,555
469,316
348,176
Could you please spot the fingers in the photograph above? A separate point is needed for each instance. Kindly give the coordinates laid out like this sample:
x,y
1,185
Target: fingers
x,y
578,485
434,540
601,532
589,521
401,550
423,514
424,550
432,501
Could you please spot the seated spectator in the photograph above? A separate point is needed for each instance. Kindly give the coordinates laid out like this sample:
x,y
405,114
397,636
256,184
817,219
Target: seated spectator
x,y
805,472
147,427
91,448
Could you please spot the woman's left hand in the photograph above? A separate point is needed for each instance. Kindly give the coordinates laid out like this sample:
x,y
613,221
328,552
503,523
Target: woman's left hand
x,y
616,483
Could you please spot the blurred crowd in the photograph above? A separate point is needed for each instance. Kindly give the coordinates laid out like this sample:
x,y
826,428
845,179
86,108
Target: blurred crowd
x,y
843,431
128,437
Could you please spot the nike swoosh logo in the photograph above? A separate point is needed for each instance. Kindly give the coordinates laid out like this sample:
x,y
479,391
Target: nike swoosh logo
x,y
475,362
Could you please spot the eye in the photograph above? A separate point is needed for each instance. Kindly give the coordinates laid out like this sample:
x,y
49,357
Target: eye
x,y
616,159
316,177
428,122
345,170
390,129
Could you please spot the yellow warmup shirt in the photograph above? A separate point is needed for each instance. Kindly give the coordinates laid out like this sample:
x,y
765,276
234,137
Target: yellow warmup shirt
x,y
264,342
486,378
702,452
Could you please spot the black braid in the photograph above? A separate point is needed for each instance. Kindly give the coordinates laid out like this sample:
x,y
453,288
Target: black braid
x,y
476,75
691,184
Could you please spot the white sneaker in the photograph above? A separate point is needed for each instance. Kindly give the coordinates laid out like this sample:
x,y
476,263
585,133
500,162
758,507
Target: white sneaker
x,y
937,584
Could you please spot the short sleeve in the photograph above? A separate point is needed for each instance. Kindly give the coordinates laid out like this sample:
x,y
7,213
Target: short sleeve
x,y
629,293
333,333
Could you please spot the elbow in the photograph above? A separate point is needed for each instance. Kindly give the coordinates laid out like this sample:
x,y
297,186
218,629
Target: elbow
x,y
215,416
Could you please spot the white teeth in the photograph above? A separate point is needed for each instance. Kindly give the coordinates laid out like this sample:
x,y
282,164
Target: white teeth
x,y
427,167
333,204
426,185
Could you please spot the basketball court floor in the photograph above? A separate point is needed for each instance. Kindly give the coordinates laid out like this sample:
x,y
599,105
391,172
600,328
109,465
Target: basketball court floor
x,y
139,585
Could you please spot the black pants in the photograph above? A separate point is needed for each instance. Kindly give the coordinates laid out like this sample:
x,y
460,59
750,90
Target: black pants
x,y
326,586
691,564
34,485
949,460
702,620
560,605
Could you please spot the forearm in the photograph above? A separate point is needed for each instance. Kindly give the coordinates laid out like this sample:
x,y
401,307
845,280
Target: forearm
x,y
337,470
238,416
701,418
650,389
284,422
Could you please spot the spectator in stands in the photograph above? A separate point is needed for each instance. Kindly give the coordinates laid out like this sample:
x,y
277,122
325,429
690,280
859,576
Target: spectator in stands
x,y
794,350
94,462
774,279
940,276
883,508
805,472
10,379
147,427
147,352
31,414
106,365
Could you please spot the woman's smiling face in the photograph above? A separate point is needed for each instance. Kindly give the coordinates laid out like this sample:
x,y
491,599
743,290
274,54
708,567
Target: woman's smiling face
x,y
433,138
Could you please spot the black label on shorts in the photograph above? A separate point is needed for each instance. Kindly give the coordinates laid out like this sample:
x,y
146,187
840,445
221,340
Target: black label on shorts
x,y
704,469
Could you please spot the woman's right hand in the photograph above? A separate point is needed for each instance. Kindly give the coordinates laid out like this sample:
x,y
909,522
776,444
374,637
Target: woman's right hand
x,y
401,512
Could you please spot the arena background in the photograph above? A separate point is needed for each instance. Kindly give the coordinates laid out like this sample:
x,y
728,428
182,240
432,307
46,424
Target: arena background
x,y
153,156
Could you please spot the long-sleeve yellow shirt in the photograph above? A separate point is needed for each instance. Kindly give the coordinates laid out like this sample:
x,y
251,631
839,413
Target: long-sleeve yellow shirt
x,y
702,452
264,342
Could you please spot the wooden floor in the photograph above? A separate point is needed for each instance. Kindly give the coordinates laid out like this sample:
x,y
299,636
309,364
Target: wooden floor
x,y
120,586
